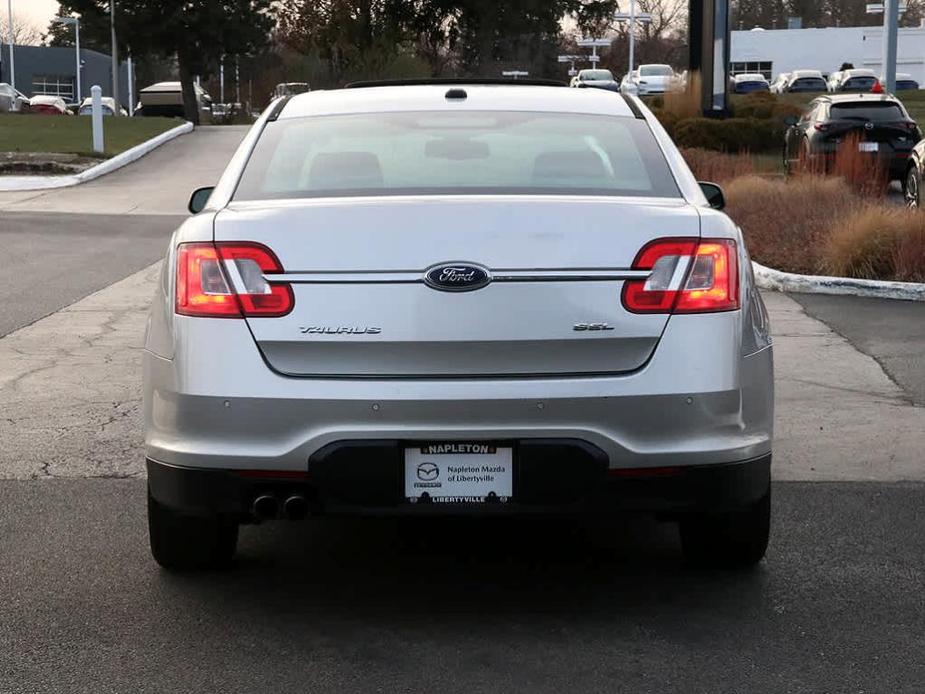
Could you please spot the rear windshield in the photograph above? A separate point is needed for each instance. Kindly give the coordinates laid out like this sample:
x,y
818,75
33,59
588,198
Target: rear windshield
x,y
655,71
864,83
596,75
809,84
879,112
745,87
456,153
907,84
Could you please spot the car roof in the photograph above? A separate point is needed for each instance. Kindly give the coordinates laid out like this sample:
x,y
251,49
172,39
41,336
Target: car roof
x,y
750,76
499,97
797,74
103,99
848,98
860,72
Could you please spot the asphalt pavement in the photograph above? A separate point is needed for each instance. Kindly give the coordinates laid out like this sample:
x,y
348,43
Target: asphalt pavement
x,y
59,246
50,260
371,606
892,332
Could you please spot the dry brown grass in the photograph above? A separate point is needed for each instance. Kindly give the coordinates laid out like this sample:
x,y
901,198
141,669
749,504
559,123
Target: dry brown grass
x,y
861,170
909,254
718,167
685,104
878,243
822,225
787,222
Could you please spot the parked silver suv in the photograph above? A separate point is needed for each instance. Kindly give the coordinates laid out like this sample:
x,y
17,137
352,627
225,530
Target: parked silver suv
x,y
457,299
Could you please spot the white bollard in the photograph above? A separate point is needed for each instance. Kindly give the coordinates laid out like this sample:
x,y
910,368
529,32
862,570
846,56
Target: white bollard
x,y
96,116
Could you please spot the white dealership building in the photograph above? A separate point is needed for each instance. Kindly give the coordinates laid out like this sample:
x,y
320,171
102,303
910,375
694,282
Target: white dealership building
x,y
772,52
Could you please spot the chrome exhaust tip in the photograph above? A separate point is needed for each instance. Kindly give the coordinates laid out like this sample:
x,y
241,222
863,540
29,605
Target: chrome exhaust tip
x,y
265,507
295,508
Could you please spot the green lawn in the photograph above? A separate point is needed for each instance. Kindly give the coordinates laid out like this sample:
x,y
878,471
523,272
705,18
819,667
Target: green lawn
x,y
72,135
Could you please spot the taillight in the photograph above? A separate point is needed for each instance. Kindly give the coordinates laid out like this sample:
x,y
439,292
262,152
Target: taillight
x,y
688,276
821,127
226,280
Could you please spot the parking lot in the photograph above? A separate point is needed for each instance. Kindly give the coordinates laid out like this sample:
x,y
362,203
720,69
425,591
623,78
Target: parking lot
x,y
330,605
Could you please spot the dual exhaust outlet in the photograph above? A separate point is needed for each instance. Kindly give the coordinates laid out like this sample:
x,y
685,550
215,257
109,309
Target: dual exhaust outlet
x,y
268,507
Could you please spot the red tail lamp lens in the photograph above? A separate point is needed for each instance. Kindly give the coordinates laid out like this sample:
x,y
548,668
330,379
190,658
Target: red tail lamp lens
x,y
226,280
688,276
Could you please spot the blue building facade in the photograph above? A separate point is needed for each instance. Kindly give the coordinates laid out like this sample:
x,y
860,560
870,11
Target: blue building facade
x,y
52,70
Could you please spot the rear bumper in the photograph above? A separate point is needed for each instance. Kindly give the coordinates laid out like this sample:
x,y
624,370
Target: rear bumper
x,y
553,477
220,407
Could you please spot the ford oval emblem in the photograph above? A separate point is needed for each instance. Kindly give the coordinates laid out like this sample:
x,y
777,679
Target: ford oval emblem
x,y
457,277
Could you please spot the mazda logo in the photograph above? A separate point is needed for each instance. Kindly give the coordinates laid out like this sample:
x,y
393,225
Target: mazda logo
x,y
457,277
869,125
428,472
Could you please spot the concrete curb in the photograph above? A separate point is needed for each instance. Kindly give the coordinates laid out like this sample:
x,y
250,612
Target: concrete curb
x,y
15,183
768,278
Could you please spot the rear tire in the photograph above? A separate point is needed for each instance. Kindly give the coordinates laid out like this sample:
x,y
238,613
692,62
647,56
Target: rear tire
x,y
911,189
186,543
733,540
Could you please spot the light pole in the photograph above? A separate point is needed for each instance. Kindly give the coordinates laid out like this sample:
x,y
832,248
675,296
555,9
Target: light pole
x,y
9,7
115,56
891,10
594,44
633,18
76,22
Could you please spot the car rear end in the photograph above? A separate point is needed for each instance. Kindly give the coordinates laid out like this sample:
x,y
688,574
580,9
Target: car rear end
x,y
807,84
425,301
880,128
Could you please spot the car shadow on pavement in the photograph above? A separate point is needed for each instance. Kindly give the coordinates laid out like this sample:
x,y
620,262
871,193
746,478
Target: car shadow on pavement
x,y
424,567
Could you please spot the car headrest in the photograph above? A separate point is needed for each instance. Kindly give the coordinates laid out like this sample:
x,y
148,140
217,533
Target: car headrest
x,y
583,164
345,170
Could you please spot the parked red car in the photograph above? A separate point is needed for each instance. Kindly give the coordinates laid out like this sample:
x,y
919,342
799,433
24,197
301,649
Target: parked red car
x,y
49,105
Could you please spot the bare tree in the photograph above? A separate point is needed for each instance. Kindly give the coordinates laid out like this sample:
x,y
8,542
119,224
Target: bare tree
x,y
667,16
662,40
24,32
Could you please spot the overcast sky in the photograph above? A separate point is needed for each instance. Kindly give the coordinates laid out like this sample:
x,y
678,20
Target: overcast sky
x,y
37,12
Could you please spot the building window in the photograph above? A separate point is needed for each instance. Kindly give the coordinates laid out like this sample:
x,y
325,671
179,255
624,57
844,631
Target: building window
x,y
54,85
765,68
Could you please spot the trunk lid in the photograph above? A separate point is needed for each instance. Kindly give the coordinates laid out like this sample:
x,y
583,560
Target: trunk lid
x,y
363,309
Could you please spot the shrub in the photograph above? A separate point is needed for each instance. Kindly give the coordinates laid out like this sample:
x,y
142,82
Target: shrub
x,y
909,255
862,171
878,243
787,222
685,104
730,135
718,167
669,121
756,105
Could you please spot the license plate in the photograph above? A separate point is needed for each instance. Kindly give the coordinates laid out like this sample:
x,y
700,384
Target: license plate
x,y
868,146
459,473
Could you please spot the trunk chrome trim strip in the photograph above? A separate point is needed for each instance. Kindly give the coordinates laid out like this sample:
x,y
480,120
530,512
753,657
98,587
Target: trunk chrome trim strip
x,y
415,277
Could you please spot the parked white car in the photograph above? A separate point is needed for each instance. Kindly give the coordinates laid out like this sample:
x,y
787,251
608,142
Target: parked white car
x,y
650,79
746,84
904,82
800,81
780,82
852,81
108,106
11,99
